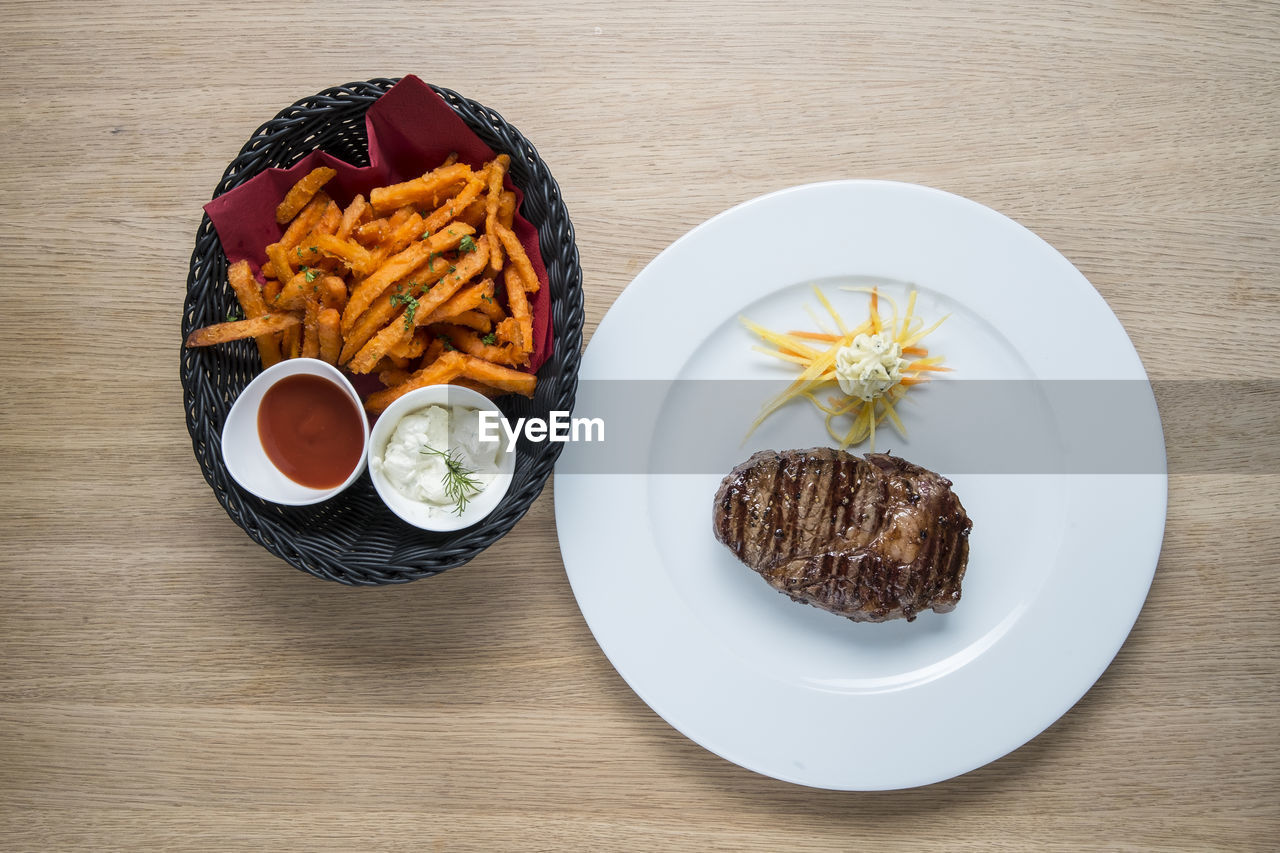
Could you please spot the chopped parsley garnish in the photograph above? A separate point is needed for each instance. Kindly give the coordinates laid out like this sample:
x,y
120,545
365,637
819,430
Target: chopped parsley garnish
x,y
466,244
411,306
490,339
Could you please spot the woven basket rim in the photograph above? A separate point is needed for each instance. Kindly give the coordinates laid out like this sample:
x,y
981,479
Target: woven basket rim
x,y
353,538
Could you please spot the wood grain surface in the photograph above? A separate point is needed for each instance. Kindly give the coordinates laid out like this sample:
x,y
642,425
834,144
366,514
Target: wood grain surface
x,y
167,684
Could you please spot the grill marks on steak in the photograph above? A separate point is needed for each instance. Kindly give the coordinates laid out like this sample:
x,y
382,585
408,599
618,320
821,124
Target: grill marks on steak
x,y
872,538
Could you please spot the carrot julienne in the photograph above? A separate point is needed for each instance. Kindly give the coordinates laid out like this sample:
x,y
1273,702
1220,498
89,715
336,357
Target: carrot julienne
x,y
850,419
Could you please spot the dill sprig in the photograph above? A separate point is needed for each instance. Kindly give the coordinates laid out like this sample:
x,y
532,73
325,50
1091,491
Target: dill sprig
x,y
459,484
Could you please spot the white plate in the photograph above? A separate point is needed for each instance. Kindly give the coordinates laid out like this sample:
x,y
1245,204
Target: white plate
x,y
1060,563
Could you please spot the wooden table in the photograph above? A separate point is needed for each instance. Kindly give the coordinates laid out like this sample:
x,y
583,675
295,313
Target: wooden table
x,y
167,684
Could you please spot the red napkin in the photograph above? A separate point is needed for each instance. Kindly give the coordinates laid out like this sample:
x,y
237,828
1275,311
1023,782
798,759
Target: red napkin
x,y
411,130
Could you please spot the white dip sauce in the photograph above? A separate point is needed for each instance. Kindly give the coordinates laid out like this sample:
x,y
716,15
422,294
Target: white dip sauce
x,y
419,474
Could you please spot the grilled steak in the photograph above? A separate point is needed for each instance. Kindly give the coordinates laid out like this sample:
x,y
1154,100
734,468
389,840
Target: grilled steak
x,y
872,538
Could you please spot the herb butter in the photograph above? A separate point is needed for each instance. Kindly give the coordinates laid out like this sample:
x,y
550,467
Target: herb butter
x,y
869,366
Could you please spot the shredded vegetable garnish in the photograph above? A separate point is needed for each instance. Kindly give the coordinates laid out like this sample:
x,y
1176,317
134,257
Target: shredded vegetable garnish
x,y
870,367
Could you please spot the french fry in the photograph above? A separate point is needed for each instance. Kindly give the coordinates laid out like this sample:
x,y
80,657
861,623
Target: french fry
x,y
508,332
497,376
506,214
399,284
397,267
393,376
449,211
235,330
400,216
297,290
391,303
419,190
291,341
351,217
378,346
452,236
333,292
353,254
310,327
366,359
329,220
507,208
399,238
412,347
249,295
448,366
468,266
302,192
497,171
281,266
468,341
519,305
473,214
435,349
392,270
515,251
305,220
372,232
491,309
292,295
467,299
270,290
307,254
472,320
328,328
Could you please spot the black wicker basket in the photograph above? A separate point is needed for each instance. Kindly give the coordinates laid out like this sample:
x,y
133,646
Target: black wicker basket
x,y
353,538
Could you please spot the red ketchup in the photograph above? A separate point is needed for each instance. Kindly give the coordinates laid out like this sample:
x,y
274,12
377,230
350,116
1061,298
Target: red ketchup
x,y
311,430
